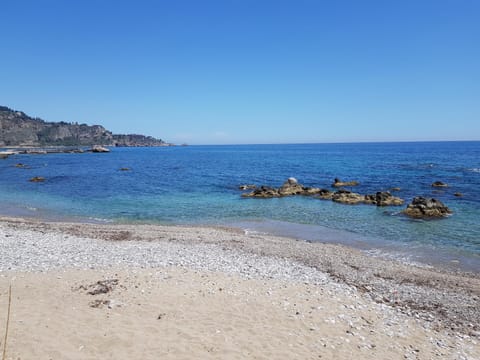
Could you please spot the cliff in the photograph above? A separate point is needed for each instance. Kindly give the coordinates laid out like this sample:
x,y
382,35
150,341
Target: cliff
x,y
19,129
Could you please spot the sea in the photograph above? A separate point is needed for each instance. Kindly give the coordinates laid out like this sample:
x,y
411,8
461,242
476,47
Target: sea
x,y
199,185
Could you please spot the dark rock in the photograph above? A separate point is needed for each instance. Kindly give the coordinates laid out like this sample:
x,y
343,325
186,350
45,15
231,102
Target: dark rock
x,y
338,183
383,198
37,179
457,194
395,189
348,197
125,169
421,207
439,184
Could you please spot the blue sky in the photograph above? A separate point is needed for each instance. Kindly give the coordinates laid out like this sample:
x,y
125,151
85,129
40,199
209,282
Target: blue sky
x,y
230,72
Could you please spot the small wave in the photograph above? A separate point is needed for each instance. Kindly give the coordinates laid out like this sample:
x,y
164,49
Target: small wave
x,y
253,232
475,170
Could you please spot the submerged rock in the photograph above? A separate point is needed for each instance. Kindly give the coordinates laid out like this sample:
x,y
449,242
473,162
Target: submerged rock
x,y
37,179
383,198
439,184
339,183
421,207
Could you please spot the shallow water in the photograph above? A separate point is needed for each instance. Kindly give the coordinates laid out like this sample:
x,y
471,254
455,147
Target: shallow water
x,y
199,185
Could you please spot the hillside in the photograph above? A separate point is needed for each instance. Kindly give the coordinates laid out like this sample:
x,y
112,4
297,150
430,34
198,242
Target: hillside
x,y
19,129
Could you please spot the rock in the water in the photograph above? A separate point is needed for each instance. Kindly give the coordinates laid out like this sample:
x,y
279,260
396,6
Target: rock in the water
x,y
348,197
263,192
99,149
247,187
383,198
395,189
421,207
439,184
37,179
125,169
291,187
339,183
325,194
457,194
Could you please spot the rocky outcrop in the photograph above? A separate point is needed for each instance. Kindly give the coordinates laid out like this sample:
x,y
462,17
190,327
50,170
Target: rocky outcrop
x,y
421,207
19,129
348,197
263,192
339,183
293,187
289,188
383,198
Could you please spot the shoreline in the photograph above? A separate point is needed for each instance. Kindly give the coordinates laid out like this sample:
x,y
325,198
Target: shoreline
x,y
387,250
439,301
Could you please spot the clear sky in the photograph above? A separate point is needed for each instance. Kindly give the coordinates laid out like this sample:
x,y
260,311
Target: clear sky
x,y
248,71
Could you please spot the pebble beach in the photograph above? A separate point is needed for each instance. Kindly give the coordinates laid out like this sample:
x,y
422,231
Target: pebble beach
x,y
149,291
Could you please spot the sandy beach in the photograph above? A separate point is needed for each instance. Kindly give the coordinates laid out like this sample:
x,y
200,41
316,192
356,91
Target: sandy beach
x,y
86,291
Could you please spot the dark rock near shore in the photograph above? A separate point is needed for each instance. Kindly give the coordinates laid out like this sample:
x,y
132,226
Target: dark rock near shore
x,y
383,198
421,207
439,184
338,183
457,194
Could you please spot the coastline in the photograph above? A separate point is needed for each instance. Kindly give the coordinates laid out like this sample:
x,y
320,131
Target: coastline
x,y
395,298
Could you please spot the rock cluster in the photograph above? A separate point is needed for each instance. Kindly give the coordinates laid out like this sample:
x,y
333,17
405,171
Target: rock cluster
x,y
289,188
421,207
292,187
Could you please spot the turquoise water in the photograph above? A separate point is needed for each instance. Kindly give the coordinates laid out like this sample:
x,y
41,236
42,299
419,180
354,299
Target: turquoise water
x,y
199,185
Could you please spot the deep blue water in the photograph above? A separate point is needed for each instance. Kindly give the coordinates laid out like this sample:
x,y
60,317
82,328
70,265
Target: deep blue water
x,y
199,185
